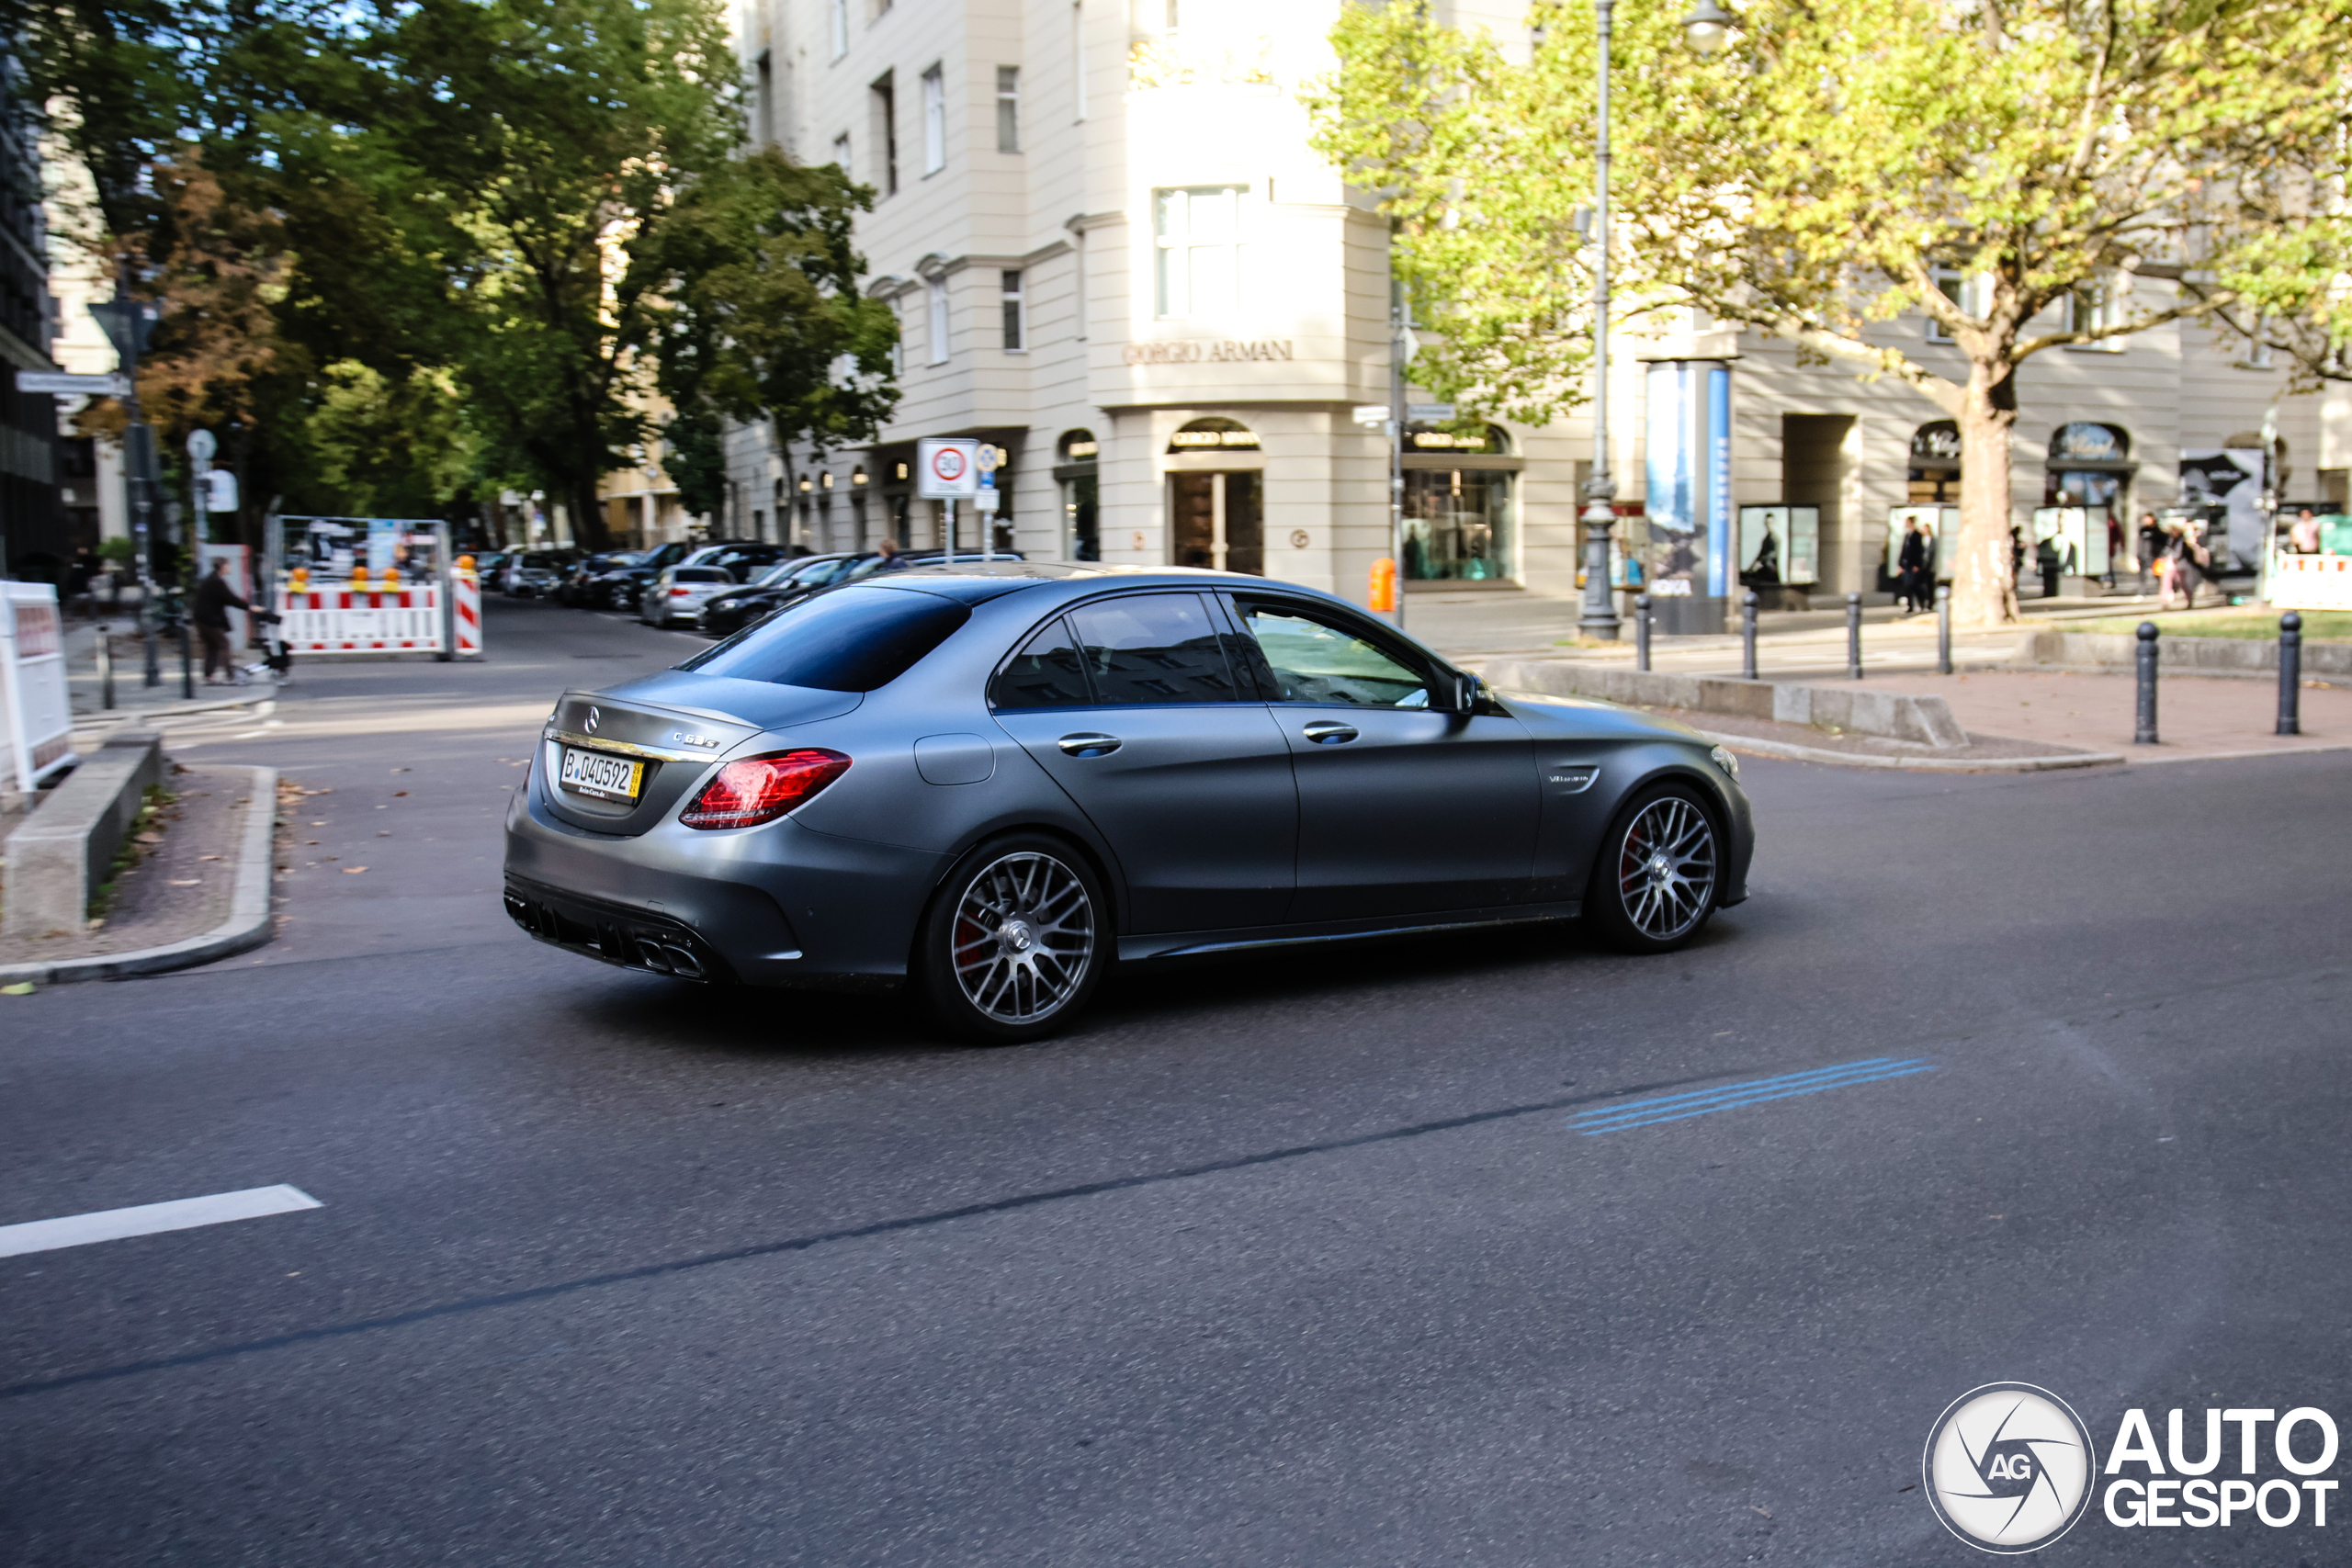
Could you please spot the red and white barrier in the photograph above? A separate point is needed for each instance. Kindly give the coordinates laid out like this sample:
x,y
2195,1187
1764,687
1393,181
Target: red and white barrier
x,y
340,618
2310,582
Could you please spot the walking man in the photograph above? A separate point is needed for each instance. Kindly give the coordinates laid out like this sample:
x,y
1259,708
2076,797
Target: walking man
x,y
214,600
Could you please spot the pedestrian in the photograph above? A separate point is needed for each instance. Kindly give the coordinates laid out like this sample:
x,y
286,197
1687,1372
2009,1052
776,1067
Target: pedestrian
x,y
2152,544
2303,537
2181,564
214,600
1914,570
891,559
2115,543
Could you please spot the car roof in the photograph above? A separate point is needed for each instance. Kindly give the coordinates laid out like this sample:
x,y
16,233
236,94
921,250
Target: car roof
x,y
975,582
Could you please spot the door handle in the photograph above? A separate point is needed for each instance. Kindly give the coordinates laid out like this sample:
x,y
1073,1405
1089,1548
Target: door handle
x,y
1087,744
1323,732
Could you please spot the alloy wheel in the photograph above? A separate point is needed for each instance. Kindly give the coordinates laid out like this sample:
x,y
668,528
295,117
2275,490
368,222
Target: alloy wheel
x,y
1024,938
1666,868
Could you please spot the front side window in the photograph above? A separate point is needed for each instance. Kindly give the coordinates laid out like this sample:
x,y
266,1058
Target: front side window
x,y
935,121
1320,660
1198,232
1045,674
1150,648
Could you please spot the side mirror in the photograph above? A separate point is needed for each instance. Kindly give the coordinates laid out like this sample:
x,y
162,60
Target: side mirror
x,y
1463,693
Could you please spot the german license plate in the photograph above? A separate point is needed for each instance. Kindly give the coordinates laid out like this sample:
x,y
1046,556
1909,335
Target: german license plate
x,y
600,774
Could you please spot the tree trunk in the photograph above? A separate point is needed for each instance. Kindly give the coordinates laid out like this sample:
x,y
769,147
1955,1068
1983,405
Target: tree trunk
x,y
588,529
1983,589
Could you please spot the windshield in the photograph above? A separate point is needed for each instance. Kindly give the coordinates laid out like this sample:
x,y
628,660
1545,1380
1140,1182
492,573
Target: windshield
x,y
856,640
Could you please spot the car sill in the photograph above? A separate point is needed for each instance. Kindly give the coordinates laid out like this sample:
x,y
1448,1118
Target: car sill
x,y
1134,949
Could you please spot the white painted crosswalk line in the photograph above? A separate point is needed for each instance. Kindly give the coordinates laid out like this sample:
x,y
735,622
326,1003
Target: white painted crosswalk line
x,y
180,1214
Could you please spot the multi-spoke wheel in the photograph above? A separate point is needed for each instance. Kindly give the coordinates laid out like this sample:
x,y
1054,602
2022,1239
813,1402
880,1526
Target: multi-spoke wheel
x,y
1013,943
1654,883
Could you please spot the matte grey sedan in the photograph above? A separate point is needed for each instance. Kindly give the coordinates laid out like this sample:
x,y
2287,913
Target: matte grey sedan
x,y
990,784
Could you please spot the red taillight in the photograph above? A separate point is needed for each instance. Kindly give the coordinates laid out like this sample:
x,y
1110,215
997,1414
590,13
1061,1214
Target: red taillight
x,y
680,593
760,789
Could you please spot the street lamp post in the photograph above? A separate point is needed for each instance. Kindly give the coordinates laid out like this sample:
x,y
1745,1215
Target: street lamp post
x,y
1705,30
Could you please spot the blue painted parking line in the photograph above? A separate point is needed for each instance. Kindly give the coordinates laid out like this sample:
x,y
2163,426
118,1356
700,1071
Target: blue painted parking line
x,y
1732,1097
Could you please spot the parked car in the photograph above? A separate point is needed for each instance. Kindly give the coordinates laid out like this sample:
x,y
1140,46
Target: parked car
x,y
726,614
744,560
489,568
678,593
583,586
534,573
988,784
730,613
623,585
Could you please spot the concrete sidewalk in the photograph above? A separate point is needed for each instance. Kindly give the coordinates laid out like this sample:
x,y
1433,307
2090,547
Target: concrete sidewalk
x,y
2197,717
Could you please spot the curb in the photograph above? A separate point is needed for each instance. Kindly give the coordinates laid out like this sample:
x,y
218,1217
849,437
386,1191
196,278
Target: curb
x,y
247,927
1919,765
140,717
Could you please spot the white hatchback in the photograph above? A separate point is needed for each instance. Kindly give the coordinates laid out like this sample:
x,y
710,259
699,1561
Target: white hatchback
x,y
678,593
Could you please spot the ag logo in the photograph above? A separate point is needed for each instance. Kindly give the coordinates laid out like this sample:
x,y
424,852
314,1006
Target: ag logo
x,y
2009,1467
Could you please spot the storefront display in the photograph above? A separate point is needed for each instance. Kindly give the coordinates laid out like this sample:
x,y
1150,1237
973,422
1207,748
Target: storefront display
x,y
1688,559
1460,523
1779,545
1942,522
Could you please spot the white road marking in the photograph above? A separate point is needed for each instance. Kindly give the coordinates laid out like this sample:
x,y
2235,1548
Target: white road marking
x,y
183,1213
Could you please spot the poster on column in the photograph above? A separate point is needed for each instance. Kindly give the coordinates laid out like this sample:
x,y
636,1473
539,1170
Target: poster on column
x,y
2230,476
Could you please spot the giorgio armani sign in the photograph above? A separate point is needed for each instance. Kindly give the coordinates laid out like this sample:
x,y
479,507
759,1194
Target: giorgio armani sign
x,y
1192,351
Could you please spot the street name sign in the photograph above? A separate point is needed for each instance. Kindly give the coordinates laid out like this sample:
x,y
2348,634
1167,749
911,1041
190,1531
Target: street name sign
x,y
64,384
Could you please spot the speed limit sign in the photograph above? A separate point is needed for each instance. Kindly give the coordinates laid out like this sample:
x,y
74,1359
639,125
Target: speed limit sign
x,y
947,469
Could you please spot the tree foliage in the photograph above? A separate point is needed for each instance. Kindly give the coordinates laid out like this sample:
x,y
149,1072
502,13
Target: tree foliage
x,y
2146,161
419,248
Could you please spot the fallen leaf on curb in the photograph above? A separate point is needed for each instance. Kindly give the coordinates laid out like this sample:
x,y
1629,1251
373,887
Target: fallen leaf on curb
x,y
353,870
21,989
208,857
398,793
1754,1509
188,881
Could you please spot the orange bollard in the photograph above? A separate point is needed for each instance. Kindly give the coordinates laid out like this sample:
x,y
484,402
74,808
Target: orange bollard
x,y
1383,584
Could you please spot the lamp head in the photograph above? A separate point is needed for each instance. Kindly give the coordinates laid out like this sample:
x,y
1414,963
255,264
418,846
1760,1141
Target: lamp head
x,y
1706,28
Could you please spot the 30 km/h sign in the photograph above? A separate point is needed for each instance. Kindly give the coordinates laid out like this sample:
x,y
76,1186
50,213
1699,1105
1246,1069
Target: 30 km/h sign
x,y
947,469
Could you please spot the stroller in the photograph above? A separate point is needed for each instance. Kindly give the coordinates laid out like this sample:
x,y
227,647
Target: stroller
x,y
274,656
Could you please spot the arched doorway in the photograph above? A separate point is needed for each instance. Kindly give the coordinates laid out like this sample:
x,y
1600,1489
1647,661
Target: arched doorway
x,y
1216,513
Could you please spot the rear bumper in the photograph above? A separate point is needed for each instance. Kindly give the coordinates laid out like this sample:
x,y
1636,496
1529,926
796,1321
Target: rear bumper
x,y
633,938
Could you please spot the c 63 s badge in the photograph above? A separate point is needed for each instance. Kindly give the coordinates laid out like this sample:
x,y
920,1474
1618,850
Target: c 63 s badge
x,y
2009,1467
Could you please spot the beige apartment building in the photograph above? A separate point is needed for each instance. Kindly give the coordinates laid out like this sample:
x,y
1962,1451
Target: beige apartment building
x,y
1115,257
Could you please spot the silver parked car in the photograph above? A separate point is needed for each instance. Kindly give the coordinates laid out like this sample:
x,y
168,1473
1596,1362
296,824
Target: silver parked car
x,y
678,593
992,784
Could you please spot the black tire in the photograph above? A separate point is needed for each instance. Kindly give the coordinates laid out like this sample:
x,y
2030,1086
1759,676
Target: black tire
x,y
1014,942
1659,872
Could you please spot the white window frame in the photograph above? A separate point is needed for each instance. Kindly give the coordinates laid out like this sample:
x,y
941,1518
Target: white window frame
x,y
1964,290
1078,276
1008,108
1013,290
939,323
935,120
838,16
1078,59
2104,312
1181,254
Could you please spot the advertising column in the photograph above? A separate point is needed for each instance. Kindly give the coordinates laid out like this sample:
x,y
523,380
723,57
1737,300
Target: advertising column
x,y
1687,556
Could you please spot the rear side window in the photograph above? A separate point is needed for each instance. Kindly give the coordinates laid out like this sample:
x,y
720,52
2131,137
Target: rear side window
x,y
1151,649
1045,674
859,640
699,574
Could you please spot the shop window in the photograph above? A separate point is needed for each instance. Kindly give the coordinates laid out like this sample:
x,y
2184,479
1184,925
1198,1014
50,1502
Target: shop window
x,y
1197,230
1459,526
1934,471
1081,495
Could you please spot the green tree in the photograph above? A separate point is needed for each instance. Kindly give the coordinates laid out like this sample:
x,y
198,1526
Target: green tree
x,y
764,320
2029,173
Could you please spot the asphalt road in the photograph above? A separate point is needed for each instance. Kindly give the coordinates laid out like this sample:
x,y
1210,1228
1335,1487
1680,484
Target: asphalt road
x,y
1300,1261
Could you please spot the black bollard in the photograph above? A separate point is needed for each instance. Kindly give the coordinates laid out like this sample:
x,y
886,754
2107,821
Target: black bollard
x,y
188,666
2144,732
1747,634
1642,632
2290,674
106,667
1943,628
1854,635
